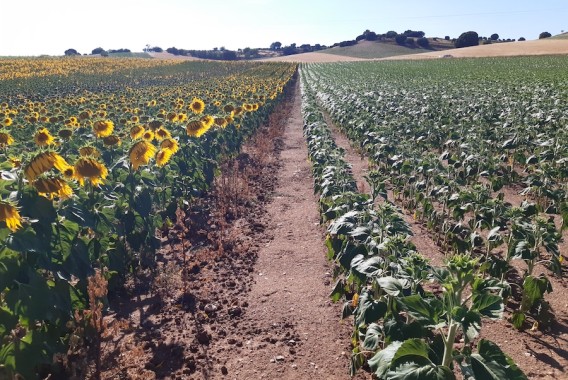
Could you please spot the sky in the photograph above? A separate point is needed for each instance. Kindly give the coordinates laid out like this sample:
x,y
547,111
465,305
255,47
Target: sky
x,y
36,27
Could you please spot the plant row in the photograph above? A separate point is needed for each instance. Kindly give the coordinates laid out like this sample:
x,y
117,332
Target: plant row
x,y
451,180
407,315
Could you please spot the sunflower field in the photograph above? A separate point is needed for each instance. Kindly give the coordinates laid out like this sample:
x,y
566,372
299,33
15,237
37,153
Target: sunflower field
x,y
97,155
476,150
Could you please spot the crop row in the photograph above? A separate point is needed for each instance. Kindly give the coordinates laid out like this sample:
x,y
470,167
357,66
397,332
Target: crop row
x,y
406,313
89,177
452,176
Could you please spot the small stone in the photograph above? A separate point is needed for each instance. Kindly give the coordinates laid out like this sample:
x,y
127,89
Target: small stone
x,y
235,311
210,308
280,358
224,370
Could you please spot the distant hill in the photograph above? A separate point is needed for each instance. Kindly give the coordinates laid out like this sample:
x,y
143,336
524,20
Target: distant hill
x,y
546,46
384,49
561,36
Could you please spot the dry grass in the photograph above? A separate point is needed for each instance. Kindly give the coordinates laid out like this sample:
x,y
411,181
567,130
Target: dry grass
x,y
506,49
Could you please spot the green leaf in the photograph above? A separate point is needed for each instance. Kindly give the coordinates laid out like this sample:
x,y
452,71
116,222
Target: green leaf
x,y
412,350
338,290
369,310
394,287
368,267
373,337
381,362
534,289
425,310
518,319
488,305
492,364
415,371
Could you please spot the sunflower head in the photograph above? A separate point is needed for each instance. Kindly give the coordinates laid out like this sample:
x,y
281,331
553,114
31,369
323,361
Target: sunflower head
x,y
169,143
10,216
197,106
5,139
112,140
137,132
43,138
65,133
207,120
89,151
163,156
42,163
148,135
162,133
7,121
196,128
155,124
103,128
141,153
51,187
220,121
90,168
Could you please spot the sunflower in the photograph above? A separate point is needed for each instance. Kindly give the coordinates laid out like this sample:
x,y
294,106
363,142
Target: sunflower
x,y
69,173
196,128
43,137
220,121
228,108
239,110
207,120
162,133
148,135
163,156
44,162
89,151
16,162
65,133
10,215
155,124
85,115
172,116
248,107
181,117
171,144
5,139
7,121
197,106
103,128
90,168
137,132
51,187
112,140
141,153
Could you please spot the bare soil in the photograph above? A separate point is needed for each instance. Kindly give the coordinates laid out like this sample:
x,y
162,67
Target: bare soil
x,y
241,289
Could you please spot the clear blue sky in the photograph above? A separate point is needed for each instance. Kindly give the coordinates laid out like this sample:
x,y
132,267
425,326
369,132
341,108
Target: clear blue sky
x,y
34,27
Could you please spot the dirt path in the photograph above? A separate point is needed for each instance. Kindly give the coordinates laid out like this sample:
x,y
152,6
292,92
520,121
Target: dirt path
x,y
290,296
